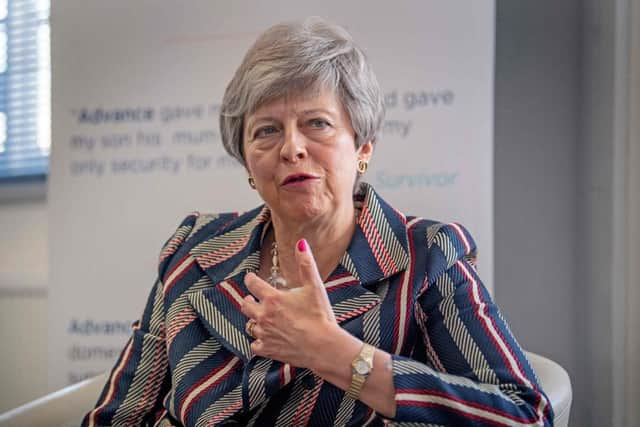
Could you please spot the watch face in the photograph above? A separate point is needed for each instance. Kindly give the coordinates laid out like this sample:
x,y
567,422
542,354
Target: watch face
x,y
361,367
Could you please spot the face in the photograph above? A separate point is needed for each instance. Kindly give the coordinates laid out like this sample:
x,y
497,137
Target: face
x,y
301,153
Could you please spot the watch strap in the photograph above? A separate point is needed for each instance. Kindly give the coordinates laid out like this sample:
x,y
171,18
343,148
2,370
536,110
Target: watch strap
x,y
357,379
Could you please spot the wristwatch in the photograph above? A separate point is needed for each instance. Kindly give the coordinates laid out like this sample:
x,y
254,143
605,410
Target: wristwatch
x,y
361,368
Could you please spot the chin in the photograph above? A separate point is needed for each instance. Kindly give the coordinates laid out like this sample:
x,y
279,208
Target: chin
x,y
303,211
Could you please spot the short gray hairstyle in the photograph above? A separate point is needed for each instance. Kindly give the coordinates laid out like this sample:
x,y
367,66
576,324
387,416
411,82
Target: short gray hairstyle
x,y
292,58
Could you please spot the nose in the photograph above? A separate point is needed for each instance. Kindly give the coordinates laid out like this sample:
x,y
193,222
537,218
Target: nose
x,y
294,145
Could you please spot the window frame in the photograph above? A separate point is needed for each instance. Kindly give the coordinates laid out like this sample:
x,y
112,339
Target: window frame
x,y
30,186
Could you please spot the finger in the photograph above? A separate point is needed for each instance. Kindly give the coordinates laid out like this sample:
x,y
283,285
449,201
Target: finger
x,y
257,346
307,266
257,331
257,286
250,307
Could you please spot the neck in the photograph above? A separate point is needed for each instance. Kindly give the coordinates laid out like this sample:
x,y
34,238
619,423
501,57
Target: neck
x,y
328,238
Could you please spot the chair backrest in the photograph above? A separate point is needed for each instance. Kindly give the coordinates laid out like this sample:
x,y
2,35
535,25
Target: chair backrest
x,y
66,407
556,383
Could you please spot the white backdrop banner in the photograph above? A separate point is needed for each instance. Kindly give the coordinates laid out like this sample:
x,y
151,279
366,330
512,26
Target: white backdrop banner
x,y
136,146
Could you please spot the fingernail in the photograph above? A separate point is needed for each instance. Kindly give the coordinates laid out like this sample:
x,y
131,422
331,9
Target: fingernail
x,y
302,245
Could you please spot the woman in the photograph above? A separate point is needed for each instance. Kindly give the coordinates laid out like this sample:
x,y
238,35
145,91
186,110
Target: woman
x,y
320,307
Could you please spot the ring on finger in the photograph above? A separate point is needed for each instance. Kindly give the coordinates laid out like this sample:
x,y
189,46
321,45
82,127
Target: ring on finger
x,y
249,327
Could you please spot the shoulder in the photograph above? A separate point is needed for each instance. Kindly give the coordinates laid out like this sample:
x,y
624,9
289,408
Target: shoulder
x,y
193,229
449,241
444,243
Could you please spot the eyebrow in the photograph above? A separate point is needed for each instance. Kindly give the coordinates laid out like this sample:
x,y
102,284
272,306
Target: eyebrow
x,y
253,120
318,110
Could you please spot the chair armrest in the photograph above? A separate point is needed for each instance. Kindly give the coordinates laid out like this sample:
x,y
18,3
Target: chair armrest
x,y
64,407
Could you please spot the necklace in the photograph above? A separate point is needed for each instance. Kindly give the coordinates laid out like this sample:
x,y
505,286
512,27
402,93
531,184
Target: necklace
x,y
275,279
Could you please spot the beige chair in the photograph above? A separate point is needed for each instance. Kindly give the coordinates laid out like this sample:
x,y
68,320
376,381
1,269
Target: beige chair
x,y
66,407
556,383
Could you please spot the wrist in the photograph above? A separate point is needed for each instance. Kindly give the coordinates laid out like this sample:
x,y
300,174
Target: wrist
x,y
361,368
334,351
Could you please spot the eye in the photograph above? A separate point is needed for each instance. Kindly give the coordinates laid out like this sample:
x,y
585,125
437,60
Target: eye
x,y
319,123
264,132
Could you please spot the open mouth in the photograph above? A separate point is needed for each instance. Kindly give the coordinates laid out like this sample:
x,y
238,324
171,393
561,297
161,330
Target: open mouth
x,y
296,178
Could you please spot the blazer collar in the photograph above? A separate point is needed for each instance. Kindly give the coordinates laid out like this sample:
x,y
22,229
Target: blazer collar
x,y
378,248
377,251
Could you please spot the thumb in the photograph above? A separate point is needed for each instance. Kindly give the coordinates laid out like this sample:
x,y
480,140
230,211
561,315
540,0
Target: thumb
x,y
307,267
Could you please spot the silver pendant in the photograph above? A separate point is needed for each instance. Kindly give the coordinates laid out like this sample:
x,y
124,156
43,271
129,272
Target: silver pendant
x,y
278,282
275,279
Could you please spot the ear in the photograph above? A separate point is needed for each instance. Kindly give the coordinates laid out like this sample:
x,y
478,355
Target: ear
x,y
365,151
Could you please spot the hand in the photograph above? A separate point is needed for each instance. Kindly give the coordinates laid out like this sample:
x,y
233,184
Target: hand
x,y
293,326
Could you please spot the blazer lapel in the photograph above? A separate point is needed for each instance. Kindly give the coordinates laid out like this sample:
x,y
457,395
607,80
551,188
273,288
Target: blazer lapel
x,y
378,248
218,308
225,258
348,298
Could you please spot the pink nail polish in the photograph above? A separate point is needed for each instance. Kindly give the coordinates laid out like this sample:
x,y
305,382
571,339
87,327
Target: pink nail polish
x,y
302,245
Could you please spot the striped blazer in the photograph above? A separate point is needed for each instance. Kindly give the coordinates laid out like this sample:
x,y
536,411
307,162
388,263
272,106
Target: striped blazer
x,y
406,285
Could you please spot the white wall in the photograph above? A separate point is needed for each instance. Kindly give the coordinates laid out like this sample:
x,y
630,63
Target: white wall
x,y
23,302
560,182
632,361
537,98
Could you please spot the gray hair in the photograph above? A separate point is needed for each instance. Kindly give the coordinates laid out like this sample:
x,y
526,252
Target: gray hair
x,y
292,58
